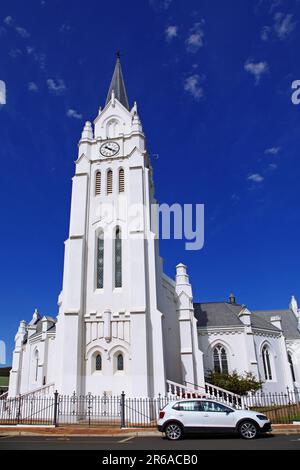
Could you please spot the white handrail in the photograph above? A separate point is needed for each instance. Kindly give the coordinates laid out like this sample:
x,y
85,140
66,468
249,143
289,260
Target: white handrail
x,y
38,392
3,396
177,390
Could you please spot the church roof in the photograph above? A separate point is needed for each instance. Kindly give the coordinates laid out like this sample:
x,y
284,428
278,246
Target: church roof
x,y
117,84
288,321
38,331
218,314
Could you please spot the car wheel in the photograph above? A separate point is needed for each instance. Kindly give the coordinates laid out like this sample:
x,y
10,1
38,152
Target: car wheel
x,y
248,430
173,431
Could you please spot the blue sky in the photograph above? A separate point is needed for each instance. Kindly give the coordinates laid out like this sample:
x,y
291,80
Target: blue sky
x,y
213,84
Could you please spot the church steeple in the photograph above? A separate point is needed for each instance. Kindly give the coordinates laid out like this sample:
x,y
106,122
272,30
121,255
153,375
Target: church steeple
x,y
117,85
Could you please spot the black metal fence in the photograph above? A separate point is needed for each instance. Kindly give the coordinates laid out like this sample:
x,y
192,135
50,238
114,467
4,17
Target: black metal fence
x,y
122,411
281,408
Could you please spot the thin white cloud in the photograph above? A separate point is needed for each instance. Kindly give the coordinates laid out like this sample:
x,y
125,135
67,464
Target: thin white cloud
x,y
171,32
72,113
22,32
283,25
32,86
192,85
2,92
257,69
272,151
65,28
265,33
14,53
38,57
8,20
195,38
56,86
160,4
256,178
273,166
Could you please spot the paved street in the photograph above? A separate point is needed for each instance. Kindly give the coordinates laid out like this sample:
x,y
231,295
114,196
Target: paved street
x,y
278,442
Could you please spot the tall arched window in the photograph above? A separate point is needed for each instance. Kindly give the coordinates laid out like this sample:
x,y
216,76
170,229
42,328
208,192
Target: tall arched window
x,y
290,359
267,363
112,128
109,182
98,183
98,362
100,260
121,180
120,362
220,359
36,359
118,258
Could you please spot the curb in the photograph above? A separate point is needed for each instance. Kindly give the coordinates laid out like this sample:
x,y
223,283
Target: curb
x,y
117,434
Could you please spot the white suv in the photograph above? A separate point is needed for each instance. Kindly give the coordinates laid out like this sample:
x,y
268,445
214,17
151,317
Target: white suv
x,y
204,415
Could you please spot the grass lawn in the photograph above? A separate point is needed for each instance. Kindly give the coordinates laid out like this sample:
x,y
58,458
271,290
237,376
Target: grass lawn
x,y
4,381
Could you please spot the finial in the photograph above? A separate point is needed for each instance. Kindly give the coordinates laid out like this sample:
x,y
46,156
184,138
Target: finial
x,y
118,55
232,298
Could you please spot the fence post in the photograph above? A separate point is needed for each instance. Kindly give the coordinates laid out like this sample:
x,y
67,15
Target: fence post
x,y
89,407
55,408
19,410
122,404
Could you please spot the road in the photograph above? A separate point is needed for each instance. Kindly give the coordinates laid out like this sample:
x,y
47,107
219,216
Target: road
x,y
268,442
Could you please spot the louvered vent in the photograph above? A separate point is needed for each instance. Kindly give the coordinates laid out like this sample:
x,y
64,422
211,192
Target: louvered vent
x,y
109,182
98,183
121,181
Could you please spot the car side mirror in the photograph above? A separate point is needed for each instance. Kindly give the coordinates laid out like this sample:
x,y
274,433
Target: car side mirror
x,y
229,411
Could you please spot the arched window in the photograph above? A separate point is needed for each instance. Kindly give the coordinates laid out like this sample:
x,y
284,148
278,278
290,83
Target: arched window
x,y
100,260
112,128
98,362
98,183
220,359
121,180
267,363
109,182
120,362
290,359
36,358
118,258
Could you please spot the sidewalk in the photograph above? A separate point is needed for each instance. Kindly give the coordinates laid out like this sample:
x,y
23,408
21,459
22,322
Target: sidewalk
x,y
78,431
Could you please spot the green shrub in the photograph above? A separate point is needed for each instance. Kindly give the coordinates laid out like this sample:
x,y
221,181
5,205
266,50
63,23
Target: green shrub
x,y
235,383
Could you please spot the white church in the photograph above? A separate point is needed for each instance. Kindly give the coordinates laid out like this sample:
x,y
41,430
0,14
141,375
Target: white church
x,y
123,324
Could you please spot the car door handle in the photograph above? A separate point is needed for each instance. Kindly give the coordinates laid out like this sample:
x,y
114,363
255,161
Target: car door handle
x,y
206,416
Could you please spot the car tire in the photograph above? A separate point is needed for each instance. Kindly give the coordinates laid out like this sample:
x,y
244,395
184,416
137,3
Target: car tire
x,y
173,431
248,430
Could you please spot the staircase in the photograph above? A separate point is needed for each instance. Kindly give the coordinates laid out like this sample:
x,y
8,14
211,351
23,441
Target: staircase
x,y
44,391
179,391
4,396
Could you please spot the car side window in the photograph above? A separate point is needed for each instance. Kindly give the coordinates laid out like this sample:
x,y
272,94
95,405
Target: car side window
x,y
214,407
187,406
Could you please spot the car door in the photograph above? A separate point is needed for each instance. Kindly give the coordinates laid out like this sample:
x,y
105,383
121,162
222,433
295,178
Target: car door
x,y
188,414
217,416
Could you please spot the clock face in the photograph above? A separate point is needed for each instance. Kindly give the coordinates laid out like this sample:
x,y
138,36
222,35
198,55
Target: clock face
x,y
109,149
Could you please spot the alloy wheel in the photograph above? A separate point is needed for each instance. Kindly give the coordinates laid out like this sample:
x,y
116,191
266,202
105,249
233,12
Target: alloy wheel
x,y
248,430
173,432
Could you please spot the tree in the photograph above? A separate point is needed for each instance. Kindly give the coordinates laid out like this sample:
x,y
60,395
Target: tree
x,y
235,383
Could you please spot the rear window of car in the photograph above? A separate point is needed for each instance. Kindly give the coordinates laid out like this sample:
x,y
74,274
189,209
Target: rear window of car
x,y
187,406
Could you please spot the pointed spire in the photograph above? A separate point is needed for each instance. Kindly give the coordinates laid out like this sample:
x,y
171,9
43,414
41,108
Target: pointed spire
x,y
117,85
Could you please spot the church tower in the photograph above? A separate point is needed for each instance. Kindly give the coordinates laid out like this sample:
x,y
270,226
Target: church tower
x,y
109,331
